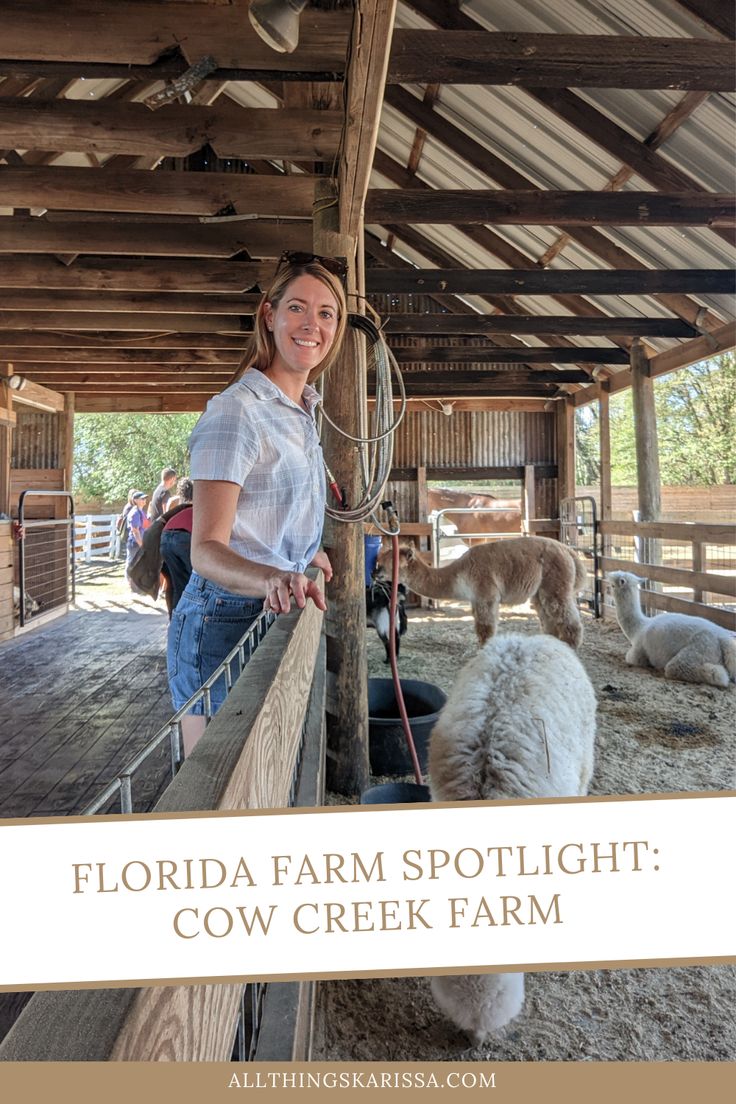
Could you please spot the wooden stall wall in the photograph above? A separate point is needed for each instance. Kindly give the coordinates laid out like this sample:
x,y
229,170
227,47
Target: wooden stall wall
x,y
466,443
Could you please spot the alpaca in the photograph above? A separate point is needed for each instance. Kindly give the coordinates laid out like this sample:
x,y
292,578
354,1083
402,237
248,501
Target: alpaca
x,y
377,604
687,648
505,571
518,723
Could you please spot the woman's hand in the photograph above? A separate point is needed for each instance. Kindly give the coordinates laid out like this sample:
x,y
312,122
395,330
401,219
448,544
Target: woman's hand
x,y
280,586
321,560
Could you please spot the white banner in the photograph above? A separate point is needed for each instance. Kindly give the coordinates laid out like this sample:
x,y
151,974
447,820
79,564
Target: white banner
x,y
357,891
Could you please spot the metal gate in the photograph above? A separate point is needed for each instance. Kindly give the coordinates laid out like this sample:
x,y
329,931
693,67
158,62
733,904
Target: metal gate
x,y
579,530
45,558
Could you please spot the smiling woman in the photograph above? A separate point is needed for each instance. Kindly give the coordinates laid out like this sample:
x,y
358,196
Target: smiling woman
x,y
259,484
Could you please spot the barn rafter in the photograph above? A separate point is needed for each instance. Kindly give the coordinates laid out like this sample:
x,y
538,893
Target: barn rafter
x,y
133,212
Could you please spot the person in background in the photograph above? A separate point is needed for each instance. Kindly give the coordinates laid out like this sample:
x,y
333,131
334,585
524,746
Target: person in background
x,y
160,497
137,524
121,523
176,544
259,482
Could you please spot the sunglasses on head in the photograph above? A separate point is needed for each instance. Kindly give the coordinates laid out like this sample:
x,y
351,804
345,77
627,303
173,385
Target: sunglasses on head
x,y
336,266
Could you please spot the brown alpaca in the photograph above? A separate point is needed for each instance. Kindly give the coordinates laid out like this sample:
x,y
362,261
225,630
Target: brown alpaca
x,y
509,572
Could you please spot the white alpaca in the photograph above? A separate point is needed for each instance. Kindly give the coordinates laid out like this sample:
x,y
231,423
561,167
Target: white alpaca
x,y
518,723
687,648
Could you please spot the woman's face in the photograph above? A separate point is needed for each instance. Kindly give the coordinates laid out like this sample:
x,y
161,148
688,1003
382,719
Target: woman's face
x,y
303,323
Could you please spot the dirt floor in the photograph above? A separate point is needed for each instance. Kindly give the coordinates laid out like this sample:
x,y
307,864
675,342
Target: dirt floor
x,y
654,735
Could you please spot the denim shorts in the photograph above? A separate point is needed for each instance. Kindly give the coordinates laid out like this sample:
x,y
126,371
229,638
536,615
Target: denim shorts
x,y
207,624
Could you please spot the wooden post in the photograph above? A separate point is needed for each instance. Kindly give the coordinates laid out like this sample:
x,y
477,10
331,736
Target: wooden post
x,y
565,419
645,429
7,421
348,769
699,564
604,441
647,454
529,493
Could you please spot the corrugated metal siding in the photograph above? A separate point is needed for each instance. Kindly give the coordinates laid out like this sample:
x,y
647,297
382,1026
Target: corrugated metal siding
x,y
475,439
36,440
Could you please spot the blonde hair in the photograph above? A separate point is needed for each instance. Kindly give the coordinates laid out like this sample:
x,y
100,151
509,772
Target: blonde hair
x,y
261,348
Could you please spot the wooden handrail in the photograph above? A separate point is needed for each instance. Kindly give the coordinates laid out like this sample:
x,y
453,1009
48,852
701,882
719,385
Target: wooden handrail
x,y
703,532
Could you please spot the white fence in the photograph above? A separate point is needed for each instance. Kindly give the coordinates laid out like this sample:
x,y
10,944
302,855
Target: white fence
x,y
96,535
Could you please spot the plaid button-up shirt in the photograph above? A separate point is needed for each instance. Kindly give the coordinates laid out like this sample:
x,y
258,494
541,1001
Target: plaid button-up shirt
x,y
255,436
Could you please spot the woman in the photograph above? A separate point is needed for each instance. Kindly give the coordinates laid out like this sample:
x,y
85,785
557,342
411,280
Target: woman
x,y
138,522
259,484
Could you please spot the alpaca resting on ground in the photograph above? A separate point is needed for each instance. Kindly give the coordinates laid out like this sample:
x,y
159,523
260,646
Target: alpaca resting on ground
x,y
687,648
506,571
518,723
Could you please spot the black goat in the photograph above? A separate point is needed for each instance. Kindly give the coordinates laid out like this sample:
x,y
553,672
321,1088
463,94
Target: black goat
x,y
377,604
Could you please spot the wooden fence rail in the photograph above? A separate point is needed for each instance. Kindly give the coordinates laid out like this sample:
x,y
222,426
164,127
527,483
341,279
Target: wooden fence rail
x,y
712,591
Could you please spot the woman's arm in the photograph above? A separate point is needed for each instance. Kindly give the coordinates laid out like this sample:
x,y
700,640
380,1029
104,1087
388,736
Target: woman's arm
x,y
215,503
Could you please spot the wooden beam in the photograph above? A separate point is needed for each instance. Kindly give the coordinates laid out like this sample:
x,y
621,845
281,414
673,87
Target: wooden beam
x,y
348,766
156,193
487,239
449,354
165,239
21,270
165,69
560,61
486,324
39,31
116,382
682,356
120,301
565,423
591,239
99,127
480,376
22,342
458,207
645,429
371,41
79,320
494,281
710,345
59,359
41,398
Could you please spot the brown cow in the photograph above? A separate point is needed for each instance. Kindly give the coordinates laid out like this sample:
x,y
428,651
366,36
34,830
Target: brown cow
x,y
506,516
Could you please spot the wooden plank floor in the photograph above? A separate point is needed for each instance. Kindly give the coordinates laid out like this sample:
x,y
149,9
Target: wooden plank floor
x,y
79,697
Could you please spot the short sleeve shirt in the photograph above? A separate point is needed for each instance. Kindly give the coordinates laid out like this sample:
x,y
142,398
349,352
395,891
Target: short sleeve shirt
x,y
252,434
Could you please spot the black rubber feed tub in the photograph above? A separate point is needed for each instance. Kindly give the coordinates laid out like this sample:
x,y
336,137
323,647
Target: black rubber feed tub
x,y
395,793
388,751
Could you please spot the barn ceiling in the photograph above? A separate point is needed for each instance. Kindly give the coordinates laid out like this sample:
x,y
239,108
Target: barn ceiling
x,y
550,183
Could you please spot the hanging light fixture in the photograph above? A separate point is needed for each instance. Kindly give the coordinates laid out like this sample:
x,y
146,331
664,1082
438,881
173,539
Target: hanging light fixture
x,y
277,22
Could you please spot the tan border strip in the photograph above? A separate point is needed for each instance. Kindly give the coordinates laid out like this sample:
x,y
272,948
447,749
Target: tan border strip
x,y
421,807
571,1082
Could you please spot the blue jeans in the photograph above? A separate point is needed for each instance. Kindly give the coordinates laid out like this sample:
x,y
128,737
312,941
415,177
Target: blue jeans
x,y
207,624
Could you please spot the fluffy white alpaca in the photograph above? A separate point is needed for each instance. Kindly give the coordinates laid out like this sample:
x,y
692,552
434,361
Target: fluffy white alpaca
x,y
687,648
518,723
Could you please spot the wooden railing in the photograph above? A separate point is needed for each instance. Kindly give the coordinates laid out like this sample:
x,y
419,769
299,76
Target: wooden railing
x,y
711,579
272,720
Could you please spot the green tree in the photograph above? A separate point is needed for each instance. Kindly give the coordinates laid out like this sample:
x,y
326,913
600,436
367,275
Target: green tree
x,y
696,424
114,452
